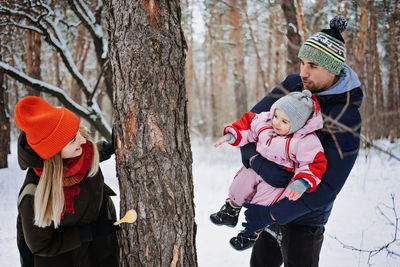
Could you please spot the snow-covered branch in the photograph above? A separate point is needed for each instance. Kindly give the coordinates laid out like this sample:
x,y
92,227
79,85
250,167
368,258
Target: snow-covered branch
x,y
92,24
92,114
52,35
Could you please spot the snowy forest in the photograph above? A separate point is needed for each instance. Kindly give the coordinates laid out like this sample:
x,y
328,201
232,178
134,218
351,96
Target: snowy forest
x,y
175,72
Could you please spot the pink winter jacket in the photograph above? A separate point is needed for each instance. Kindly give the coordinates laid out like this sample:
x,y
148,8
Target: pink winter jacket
x,y
300,152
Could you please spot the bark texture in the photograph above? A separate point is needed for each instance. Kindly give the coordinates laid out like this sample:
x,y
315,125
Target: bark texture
x,y
147,59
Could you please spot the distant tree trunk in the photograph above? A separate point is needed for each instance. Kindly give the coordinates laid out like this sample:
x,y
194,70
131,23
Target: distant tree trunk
x,y
270,50
300,18
153,156
260,71
316,25
277,77
33,45
359,59
215,126
221,76
345,4
392,93
354,41
80,43
235,21
292,35
4,121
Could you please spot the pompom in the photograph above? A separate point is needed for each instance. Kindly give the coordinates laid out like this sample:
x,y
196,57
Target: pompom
x,y
307,93
338,23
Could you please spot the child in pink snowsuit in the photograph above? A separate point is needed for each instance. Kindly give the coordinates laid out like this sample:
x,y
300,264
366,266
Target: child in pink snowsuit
x,y
284,135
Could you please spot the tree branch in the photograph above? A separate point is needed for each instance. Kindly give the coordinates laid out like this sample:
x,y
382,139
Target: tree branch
x,y
92,114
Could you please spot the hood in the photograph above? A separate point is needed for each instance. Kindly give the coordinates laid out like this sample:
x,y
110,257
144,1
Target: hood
x,y
27,157
315,122
348,80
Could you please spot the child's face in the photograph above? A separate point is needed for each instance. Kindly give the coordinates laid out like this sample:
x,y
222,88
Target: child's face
x,y
73,149
280,122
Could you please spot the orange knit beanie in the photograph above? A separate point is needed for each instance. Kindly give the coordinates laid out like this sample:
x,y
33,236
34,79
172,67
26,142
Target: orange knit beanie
x,y
48,129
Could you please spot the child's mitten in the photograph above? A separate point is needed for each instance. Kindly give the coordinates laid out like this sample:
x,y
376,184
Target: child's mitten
x,y
229,138
296,189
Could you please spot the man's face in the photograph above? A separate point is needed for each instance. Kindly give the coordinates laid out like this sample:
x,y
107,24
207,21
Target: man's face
x,y
315,77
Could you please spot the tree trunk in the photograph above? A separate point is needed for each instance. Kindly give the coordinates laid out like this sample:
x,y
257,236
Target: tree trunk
x,y
260,71
300,19
153,156
4,122
293,37
359,62
277,77
221,77
318,15
369,92
351,57
32,62
270,51
392,92
235,21
215,126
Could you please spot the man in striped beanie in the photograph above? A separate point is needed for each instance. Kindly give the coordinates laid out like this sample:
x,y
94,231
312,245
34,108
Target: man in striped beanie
x,y
327,46
294,230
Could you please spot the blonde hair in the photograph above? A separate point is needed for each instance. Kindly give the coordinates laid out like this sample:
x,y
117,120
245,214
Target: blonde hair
x,y
49,195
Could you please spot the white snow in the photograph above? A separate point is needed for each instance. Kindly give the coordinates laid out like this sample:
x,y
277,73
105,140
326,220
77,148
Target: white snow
x,y
355,219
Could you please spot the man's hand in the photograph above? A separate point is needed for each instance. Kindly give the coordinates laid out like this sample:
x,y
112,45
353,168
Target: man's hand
x,y
257,217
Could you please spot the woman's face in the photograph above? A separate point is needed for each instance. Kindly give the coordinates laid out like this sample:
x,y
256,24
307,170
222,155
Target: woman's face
x,y
73,149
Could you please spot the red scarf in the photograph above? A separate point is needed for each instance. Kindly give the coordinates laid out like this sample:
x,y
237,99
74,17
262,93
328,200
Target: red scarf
x,y
74,171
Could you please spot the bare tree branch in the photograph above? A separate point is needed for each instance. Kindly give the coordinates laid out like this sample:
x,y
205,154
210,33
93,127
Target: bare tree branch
x,y
390,246
93,113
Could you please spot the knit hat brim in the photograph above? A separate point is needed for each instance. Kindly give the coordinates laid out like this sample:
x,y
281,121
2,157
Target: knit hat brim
x,y
59,138
321,59
48,129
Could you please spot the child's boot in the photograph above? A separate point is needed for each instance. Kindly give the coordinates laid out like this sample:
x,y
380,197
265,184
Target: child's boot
x,y
228,214
244,240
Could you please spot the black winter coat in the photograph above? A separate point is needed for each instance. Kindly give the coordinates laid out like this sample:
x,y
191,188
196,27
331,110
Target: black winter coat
x,y
62,246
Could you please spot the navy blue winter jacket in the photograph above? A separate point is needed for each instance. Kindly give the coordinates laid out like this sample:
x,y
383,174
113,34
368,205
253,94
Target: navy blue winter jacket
x,y
315,207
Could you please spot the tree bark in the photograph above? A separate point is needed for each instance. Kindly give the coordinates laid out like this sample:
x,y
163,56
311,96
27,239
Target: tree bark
x,y
293,37
147,59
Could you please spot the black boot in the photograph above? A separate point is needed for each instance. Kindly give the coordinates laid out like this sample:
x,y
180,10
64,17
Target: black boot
x,y
228,215
243,240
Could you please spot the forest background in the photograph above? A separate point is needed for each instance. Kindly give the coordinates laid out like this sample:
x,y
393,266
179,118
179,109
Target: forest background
x,y
236,52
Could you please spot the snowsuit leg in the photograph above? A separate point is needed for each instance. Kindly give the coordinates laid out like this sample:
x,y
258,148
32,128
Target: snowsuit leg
x,y
248,186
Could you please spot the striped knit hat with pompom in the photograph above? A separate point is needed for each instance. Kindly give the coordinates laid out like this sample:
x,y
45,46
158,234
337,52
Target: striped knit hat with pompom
x,y
326,48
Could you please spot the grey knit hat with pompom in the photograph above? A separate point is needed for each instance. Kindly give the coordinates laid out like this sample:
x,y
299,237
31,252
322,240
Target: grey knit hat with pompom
x,y
326,48
298,106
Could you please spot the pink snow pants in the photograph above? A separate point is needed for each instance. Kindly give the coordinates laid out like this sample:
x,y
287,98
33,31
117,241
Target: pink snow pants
x,y
248,186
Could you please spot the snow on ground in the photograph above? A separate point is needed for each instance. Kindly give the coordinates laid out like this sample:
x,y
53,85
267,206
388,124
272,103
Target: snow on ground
x,y
355,220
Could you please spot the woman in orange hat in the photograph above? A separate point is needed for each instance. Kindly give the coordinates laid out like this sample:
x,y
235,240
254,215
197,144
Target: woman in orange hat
x,y
65,213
